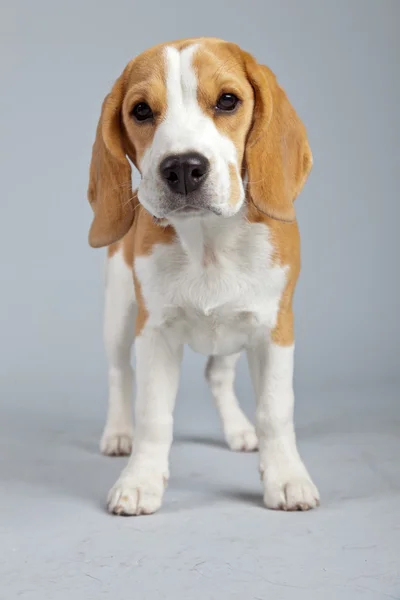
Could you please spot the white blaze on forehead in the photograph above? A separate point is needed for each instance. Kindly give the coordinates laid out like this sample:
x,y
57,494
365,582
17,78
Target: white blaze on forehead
x,y
181,81
186,126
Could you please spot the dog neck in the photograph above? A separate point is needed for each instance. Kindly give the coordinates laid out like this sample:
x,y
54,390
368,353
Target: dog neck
x,y
205,238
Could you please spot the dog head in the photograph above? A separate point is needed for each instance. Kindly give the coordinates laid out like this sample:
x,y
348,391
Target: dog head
x,y
202,121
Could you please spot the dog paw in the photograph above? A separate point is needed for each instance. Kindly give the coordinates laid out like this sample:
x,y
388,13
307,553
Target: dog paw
x,y
116,443
131,497
244,440
296,493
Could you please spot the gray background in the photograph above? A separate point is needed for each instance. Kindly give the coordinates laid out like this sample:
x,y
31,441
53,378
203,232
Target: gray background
x,y
338,61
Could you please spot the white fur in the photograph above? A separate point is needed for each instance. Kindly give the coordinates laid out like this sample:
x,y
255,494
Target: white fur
x,y
287,484
186,128
119,327
222,293
239,432
140,487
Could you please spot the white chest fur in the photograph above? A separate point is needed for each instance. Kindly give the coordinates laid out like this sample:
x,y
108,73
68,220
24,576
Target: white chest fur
x,y
215,286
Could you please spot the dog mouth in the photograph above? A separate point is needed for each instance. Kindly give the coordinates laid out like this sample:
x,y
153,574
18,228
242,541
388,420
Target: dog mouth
x,y
192,210
190,206
187,211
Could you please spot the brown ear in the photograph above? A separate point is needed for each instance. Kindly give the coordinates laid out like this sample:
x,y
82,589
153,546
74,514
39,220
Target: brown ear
x,y
110,188
278,157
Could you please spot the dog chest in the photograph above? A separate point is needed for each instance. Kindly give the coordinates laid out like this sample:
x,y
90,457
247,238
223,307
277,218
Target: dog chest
x,y
218,299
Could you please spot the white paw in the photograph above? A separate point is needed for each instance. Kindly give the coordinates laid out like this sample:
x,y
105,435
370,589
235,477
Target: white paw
x,y
132,497
116,443
290,493
244,440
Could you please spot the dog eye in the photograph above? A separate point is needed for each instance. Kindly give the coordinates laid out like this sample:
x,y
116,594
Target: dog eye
x,y
227,102
142,112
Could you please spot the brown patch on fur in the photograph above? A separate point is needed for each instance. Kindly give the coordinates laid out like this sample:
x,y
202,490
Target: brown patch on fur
x,y
235,186
113,249
286,239
142,313
149,233
278,157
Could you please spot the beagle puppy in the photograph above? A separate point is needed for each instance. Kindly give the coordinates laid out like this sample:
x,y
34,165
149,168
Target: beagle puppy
x,y
205,252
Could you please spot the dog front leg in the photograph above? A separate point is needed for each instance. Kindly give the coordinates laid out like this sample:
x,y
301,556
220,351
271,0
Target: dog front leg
x,y
140,488
287,484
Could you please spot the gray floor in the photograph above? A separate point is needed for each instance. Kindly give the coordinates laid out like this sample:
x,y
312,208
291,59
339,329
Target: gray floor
x,y
212,539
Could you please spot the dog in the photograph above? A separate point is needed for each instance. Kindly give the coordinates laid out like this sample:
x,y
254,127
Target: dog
x,y
206,252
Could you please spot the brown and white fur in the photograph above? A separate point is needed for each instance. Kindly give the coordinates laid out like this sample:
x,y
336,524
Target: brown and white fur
x,y
215,269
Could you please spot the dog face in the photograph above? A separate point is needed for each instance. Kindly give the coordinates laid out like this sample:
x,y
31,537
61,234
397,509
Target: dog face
x,y
188,123
195,117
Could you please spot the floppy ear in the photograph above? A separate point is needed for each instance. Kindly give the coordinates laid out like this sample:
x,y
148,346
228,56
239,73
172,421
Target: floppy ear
x,y
110,188
278,157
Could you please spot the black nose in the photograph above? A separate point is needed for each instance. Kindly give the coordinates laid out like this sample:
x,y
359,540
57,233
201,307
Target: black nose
x,y
184,173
